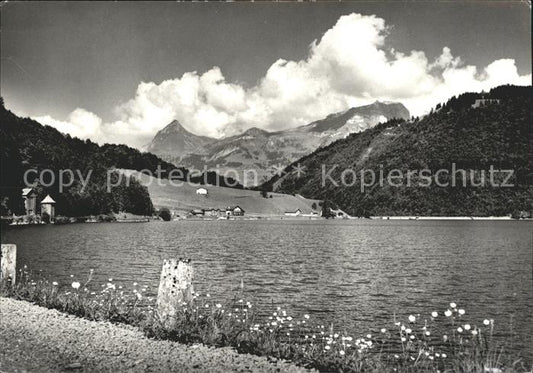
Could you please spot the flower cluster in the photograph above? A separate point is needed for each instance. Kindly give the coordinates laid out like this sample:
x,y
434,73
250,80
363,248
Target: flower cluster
x,y
429,342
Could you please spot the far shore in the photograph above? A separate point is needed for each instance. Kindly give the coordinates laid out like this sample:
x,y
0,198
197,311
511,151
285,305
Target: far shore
x,y
445,218
146,219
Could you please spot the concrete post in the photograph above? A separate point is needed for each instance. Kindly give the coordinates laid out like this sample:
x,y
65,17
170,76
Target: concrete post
x,y
175,289
8,263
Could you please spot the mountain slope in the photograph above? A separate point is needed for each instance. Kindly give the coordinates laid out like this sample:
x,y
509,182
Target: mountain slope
x,y
256,151
184,198
495,135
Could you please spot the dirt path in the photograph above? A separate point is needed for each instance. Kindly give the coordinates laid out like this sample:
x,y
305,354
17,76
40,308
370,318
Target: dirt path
x,y
36,339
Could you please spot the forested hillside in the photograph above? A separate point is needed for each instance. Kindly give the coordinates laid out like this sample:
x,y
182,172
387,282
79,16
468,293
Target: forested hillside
x,y
26,144
494,135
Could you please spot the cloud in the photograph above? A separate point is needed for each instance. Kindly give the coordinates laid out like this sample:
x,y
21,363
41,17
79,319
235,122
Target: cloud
x,y
80,122
350,65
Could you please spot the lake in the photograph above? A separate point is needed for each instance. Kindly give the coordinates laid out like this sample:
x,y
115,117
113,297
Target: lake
x,y
354,274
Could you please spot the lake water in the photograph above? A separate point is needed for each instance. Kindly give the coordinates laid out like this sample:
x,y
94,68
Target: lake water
x,y
355,274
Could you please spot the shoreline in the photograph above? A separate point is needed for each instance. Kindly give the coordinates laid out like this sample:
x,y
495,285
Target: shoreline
x,y
290,218
38,339
445,218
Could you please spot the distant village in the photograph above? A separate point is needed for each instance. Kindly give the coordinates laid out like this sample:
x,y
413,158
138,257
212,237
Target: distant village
x,y
232,211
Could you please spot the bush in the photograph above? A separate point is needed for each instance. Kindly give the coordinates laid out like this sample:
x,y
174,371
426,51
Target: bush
x,y
62,220
6,220
31,219
164,214
106,218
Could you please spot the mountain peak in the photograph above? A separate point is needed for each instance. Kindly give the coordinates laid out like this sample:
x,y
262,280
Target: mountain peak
x,y
174,126
254,131
371,113
176,139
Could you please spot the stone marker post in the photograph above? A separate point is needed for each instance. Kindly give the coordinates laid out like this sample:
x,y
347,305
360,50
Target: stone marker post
x,y
175,290
8,263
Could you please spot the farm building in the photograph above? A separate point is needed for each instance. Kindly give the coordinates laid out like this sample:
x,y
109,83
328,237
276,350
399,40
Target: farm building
x,y
212,212
237,211
234,211
201,191
293,213
484,102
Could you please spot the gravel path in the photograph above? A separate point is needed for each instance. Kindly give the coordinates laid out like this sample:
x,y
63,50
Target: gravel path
x,y
37,339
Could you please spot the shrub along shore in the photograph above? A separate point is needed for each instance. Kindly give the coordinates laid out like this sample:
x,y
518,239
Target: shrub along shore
x,y
414,343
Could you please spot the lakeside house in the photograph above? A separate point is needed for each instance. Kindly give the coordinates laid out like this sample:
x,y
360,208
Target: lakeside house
x,y
300,213
197,212
216,212
293,213
48,207
237,211
212,212
234,211
30,201
202,192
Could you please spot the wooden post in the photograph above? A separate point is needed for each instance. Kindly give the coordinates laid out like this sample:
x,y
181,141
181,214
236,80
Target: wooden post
x,y
8,263
175,289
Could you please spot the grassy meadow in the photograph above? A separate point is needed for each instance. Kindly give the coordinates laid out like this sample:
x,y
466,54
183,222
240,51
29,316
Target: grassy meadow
x,y
184,198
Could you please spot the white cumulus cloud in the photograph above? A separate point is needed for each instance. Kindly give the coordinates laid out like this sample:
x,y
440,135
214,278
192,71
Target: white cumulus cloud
x,y
350,65
80,122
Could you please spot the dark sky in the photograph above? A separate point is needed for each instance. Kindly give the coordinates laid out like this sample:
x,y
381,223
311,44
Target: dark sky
x,y
58,56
